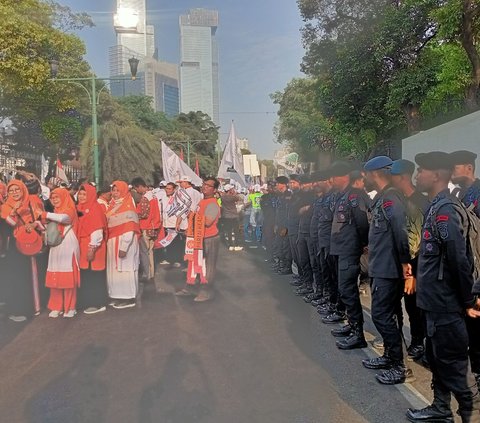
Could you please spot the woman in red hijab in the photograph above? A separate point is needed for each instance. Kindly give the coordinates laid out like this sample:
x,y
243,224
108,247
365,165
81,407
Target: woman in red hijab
x,y
63,275
92,229
122,247
19,210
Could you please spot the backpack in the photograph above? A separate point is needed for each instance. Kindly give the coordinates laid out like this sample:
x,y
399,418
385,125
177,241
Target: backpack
x,y
471,222
53,236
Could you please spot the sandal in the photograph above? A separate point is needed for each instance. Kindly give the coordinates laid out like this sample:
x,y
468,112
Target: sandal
x,y
184,293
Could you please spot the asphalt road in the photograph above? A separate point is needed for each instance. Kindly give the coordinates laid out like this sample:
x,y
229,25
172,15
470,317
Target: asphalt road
x,y
256,353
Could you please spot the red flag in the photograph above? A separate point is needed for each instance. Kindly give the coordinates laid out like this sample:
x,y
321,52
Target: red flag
x,y
197,167
61,172
181,153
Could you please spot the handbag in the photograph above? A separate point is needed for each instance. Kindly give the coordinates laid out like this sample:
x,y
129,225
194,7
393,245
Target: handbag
x,y
28,243
53,236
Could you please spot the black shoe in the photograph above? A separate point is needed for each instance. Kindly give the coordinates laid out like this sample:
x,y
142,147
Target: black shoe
x,y
382,362
345,330
296,282
355,340
430,414
333,318
315,296
303,291
398,373
325,310
284,272
415,352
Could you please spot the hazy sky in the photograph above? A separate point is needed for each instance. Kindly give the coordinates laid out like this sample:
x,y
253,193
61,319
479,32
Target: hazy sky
x,y
260,51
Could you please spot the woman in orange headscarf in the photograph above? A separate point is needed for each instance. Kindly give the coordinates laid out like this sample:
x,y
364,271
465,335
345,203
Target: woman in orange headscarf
x,y
63,275
92,229
122,247
20,211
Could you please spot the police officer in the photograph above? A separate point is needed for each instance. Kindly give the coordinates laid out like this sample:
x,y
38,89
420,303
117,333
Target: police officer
x,y
416,206
444,293
282,249
295,203
388,266
348,239
464,175
304,243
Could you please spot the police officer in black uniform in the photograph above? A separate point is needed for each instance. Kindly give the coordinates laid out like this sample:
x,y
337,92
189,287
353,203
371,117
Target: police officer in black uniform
x,y
295,203
464,175
416,206
348,239
388,266
268,203
281,246
444,293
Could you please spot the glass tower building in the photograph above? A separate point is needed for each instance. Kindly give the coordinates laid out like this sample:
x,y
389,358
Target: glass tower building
x,y
199,63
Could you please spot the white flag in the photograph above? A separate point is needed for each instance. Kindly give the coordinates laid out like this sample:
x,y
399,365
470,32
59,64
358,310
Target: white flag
x,y
174,167
231,166
44,170
289,162
61,172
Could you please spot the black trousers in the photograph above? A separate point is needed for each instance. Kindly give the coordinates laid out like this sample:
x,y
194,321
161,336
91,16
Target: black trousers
x,y
473,328
231,230
348,272
268,237
175,252
93,289
293,242
282,251
386,301
447,353
417,328
315,264
329,269
304,259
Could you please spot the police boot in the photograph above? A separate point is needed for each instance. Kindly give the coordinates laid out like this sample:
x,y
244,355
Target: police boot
x,y
438,411
355,340
325,309
382,362
335,317
345,330
397,373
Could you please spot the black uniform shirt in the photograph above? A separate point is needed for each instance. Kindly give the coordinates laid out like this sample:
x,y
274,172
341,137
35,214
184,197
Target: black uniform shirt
x,y
297,201
316,209
350,223
281,209
268,203
472,196
444,276
325,218
388,245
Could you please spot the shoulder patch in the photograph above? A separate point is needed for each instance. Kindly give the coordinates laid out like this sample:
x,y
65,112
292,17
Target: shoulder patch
x,y
442,218
387,206
353,199
442,227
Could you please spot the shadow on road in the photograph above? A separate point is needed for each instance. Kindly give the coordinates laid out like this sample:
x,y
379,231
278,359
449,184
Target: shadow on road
x,y
183,393
77,395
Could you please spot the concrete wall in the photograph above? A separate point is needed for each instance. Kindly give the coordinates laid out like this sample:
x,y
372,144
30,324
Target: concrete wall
x,y
458,134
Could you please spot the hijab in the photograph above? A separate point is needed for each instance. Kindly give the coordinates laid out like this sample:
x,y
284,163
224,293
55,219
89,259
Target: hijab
x,y
66,206
122,214
28,210
92,218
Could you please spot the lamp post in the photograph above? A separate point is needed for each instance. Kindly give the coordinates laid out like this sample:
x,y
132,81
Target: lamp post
x,y
94,98
189,144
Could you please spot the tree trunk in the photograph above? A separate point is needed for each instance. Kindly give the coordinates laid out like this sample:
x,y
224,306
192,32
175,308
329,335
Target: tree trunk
x,y
468,43
412,114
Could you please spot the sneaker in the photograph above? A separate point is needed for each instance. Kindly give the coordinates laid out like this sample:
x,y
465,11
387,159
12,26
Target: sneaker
x,y
177,264
17,319
124,304
238,248
93,310
164,262
231,248
397,374
70,313
382,362
54,314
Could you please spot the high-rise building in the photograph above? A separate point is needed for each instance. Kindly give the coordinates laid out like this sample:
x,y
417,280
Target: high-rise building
x,y
135,38
199,63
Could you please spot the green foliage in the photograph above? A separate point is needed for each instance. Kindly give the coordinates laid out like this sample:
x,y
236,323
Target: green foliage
x,y
57,128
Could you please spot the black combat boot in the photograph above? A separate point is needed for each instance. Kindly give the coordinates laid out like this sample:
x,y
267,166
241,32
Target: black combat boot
x,y
438,411
335,317
355,340
345,330
382,362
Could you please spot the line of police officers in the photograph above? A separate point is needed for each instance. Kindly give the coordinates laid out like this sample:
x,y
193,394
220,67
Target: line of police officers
x,y
418,249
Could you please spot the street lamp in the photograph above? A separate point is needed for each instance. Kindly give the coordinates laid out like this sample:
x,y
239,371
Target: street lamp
x,y
94,99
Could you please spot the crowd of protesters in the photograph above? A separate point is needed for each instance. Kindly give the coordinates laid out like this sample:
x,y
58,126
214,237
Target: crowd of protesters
x,y
75,248
415,240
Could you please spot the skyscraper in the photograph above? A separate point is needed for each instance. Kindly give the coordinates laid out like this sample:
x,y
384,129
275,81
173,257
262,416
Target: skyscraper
x,y
199,63
156,79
